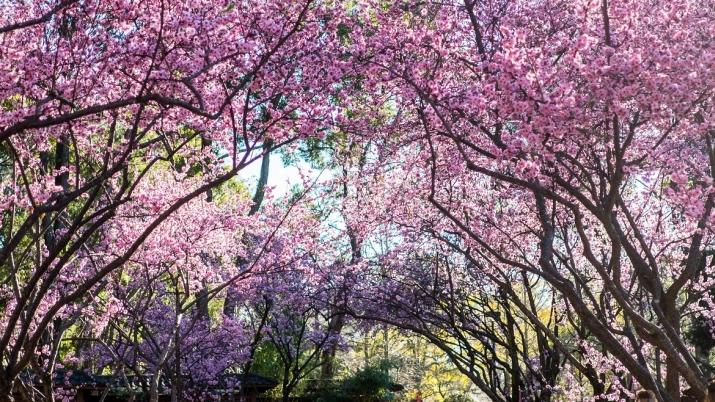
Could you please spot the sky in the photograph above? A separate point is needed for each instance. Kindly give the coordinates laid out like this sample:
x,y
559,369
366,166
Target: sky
x,y
280,177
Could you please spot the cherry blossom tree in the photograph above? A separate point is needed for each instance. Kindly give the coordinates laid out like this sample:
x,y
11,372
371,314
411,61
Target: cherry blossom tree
x,y
154,319
571,141
294,319
475,323
99,96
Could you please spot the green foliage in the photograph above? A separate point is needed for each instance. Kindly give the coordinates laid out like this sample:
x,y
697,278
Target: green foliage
x,y
457,398
266,361
344,33
316,151
700,333
226,191
371,384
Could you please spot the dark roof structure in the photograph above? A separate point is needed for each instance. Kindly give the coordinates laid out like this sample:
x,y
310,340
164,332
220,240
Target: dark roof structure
x,y
225,382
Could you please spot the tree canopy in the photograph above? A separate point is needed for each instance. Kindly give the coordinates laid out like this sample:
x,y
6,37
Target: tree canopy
x,y
527,186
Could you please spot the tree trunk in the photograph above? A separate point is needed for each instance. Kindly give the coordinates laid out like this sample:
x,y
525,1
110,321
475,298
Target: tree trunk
x,y
231,303
286,389
672,375
335,327
672,379
6,390
154,387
